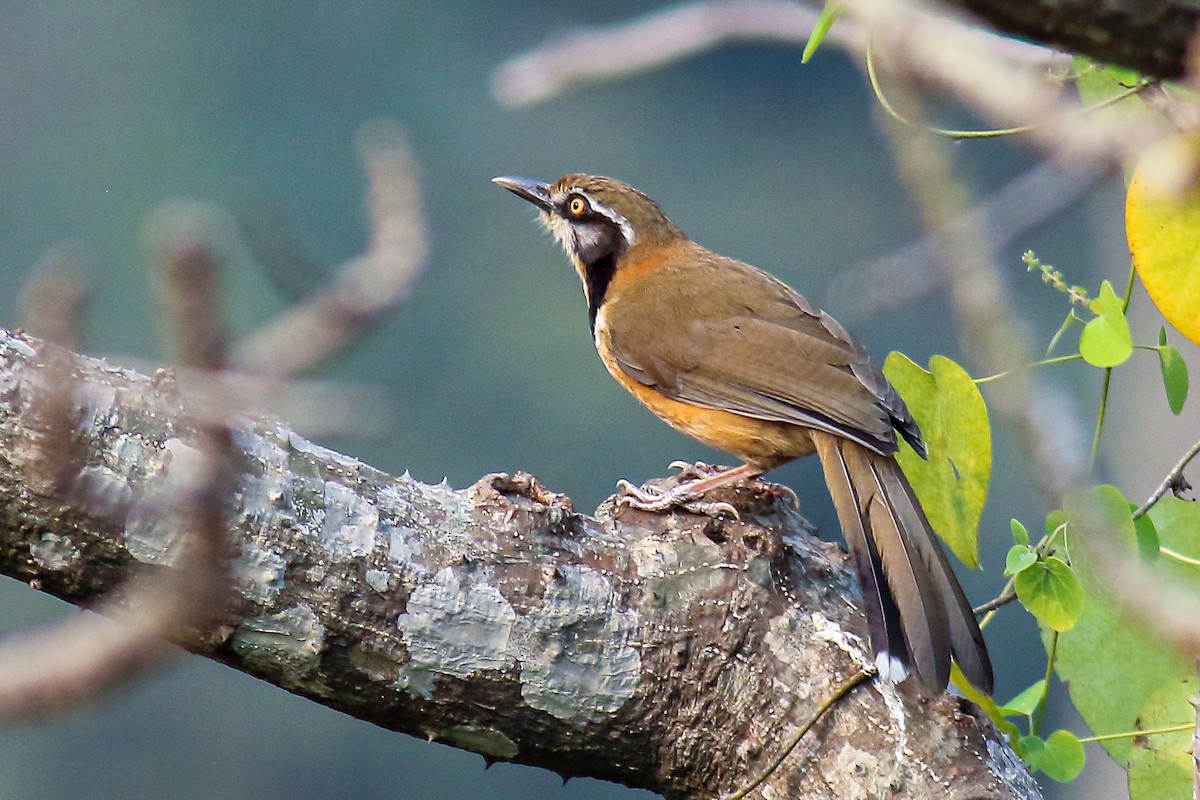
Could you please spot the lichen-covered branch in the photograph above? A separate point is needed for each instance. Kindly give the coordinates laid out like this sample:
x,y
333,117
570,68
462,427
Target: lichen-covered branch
x,y
676,653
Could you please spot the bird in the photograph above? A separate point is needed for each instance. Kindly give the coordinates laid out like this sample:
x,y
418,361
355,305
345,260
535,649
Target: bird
x,y
732,356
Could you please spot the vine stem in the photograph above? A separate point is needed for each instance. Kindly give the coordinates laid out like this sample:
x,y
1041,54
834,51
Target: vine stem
x,y
1045,362
843,690
1040,711
984,134
1108,379
1108,737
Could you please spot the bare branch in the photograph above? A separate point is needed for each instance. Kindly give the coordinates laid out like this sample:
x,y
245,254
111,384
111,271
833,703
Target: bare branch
x,y
367,287
71,663
934,51
54,297
663,37
919,268
1151,36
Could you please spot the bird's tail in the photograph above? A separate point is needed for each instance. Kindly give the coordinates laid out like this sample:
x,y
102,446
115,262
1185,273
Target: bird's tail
x,y
916,611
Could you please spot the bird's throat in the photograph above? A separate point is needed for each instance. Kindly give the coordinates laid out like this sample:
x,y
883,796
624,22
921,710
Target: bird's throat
x,y
596,277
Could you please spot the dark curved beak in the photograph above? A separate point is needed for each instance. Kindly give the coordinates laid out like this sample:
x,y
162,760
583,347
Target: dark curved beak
x,y
535,192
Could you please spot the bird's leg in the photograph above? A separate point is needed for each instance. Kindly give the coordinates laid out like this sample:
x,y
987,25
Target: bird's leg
x,y
688,495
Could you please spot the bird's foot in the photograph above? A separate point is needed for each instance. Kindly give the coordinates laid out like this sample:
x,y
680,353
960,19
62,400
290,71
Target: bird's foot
x,y
689,471
784,492
695,470
647,498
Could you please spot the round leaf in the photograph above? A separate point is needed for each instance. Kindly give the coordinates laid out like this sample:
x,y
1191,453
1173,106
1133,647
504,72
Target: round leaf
x,y
1063,757
1112,662
1032,748
1162,224
1106,341
1020,558
1051,591
1174,375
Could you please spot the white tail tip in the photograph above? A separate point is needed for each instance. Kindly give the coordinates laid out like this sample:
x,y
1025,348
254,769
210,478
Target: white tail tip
x,y
890,668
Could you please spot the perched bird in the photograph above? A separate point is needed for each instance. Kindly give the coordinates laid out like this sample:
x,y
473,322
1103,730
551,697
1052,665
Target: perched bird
x,y
732,356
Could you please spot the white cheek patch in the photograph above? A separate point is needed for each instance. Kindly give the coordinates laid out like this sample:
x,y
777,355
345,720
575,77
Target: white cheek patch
x,y
587,238
560,229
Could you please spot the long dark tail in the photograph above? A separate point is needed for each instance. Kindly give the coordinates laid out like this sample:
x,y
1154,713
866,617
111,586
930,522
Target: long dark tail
x,y
917,613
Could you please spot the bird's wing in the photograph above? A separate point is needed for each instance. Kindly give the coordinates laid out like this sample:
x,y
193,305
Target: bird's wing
x,y
756,348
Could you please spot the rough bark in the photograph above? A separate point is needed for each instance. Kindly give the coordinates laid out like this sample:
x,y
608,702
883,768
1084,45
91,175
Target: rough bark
x,y
676,653
1151,36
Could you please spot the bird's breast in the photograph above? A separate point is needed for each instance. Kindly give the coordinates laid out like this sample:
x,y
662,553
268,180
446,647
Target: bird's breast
x,y
764,443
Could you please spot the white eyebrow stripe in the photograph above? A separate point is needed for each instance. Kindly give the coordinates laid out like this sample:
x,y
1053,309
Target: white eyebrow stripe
x,y
612,216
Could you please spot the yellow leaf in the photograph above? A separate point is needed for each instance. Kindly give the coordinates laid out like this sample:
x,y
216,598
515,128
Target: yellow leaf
x,y
1162,223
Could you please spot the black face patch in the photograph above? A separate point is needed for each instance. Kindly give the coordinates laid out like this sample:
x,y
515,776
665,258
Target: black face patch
x,y
598,274
596,239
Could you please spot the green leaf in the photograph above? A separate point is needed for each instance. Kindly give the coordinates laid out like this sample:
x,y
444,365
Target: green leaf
x,y
1104,511
1177,523
1113,663
952,484
1098,83
1147,536
831,11
1019,534
1106,341
1063,757
1025,703
983,701
1051,591
1031,748
1160,765
1055,520
1020,558
1174,373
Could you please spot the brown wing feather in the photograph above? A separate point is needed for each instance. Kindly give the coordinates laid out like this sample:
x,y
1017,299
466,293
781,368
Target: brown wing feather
x,y
755,348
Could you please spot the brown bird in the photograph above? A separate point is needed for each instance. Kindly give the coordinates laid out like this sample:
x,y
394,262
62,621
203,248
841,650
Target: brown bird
x,y
732,356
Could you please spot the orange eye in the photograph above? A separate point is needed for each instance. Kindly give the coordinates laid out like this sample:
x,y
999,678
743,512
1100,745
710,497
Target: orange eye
x,y
576,206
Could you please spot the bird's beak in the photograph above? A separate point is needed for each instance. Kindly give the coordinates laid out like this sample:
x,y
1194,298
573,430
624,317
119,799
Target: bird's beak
x,y
535,192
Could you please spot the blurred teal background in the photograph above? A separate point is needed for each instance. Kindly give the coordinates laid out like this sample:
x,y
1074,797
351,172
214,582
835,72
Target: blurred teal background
x,y
109,109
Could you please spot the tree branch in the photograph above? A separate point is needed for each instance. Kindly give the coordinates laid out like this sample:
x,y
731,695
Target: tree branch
x,y
1151,36
676,653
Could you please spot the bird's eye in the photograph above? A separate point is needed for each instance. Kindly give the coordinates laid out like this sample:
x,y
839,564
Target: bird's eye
x,y
577,206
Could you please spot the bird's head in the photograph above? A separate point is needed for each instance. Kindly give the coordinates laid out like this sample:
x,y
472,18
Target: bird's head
x,y
595,219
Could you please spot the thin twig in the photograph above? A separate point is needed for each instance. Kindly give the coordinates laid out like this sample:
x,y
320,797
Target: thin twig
x,y
1004,599
73,662
1170,481
989,328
